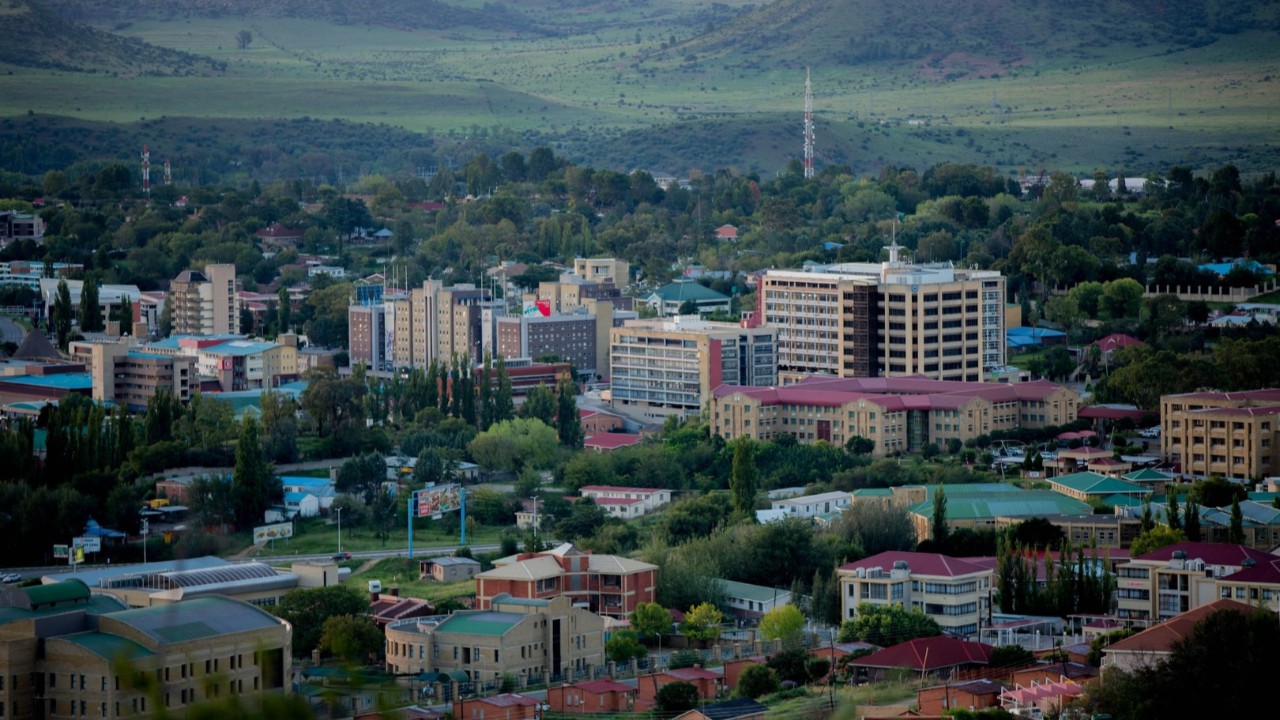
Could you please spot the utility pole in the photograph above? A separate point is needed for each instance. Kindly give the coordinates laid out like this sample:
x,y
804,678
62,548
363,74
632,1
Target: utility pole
x,y
339,511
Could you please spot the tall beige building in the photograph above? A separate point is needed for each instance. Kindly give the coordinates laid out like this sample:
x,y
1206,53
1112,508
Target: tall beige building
x,y
892,319
603,270
204,303
1234,435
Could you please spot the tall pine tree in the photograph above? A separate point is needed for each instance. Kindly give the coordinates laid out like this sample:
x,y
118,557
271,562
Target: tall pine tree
x,y
90,308
62,314
503,405
254,487
568,420
742,479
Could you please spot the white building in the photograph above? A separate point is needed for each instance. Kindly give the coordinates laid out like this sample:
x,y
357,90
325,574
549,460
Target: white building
x,y
752,601
627,502
808,506
299,504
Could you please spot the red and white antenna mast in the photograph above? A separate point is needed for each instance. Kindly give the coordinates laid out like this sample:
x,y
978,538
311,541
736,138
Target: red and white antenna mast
x,y
808,125
146,171
168,173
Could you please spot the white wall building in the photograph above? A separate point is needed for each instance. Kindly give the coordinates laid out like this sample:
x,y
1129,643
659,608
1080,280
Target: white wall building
x,y
808,506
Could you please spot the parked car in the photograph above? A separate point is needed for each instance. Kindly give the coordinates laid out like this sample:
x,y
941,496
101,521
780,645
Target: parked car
x,y
10,578
1151,432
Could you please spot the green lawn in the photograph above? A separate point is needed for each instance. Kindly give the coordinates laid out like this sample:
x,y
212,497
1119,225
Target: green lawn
x,y
402,573
315,536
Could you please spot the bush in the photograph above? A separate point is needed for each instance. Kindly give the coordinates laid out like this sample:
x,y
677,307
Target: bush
x,y
683,659
757,680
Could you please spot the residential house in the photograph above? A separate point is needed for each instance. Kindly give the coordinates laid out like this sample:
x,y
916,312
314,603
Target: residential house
x,y
610,441
606,584
592,697
386,608
735,709
1040,698
972,695
751,602
954,592
809,506
707,682
322,488
726,232
1089,485
448,569
504,706
301,504
1156,643
937,656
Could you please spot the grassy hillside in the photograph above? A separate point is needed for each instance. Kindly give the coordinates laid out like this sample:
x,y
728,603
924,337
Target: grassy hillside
x,y
676,85
32,36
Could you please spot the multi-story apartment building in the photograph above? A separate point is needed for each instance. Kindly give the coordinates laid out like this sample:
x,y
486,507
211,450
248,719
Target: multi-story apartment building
x,y
235,362
571,337
15,226
204,303
534,639
670,367
367,335
65,653
1187,575
954,592
893,318
894,413
603,270
605,584
1233,435
130,377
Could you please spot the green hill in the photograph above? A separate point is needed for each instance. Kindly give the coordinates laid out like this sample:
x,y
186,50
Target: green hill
x,y
416,14
32,36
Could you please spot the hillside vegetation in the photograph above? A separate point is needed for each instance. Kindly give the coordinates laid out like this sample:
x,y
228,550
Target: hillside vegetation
x,y
32,36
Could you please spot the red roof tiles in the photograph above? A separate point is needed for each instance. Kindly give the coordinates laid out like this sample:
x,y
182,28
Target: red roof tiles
x,y
925,654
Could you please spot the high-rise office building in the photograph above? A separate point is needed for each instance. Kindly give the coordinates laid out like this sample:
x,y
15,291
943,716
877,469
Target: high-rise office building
x,y
204,303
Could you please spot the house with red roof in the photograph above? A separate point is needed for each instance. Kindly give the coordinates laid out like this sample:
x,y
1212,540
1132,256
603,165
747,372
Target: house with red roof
x,y
610,441
976,694
626,502
954,592
727,232
1046,697
1115,341
1157,642
605,695
707,682
938,656
506,706
388,607
595,421
279,237
1172,580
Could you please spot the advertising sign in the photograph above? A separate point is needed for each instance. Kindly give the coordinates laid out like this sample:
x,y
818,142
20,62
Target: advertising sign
x,y
538,308
77,553
90,544
432,502
61,552
278,531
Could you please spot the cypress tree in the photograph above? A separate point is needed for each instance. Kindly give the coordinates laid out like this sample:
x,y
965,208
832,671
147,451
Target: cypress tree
x,y
742,480
1191,519
252,482
90,309
503,406
1235,534
568,420
941,531
1171,510
62,314
284,311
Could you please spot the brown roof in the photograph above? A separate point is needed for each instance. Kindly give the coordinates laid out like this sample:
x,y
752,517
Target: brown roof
x,y
35,346
1161,638
931,653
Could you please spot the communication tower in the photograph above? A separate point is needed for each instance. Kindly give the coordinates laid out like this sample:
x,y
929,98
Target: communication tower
x,y
808,125
146,171
168,173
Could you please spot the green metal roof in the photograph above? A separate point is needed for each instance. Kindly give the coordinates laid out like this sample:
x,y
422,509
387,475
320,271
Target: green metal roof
x,y
1093,483
758,593
1148,475
108,646
96,605
57,593
1023,503
955,490
681,291
480,622
197,618
1121,500
873,492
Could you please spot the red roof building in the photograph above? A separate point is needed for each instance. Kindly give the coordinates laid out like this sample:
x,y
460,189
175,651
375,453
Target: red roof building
x,y
928,656
726,232
708,684
608,585
610,441
605,695
1157,642
507,706
1115,341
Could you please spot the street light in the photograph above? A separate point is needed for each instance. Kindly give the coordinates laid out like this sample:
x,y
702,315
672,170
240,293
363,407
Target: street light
x,y
339,511
535,519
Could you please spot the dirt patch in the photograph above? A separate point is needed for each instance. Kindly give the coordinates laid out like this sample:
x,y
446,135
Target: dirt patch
x,y
968,66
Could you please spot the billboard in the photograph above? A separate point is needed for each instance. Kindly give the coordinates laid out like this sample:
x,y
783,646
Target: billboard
x,y
537,308
90,544
61,552
432,502
77,554
278,531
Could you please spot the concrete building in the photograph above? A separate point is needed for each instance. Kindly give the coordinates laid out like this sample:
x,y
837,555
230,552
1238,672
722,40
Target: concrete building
x,y
535,640
109,296
675,298
626,502
751,602
128,376
1184,576
367,336
64,653
235,362
894,413
603,270
1233,435
204,303
954,592
448,569
15,226
810,506
605,584
571,337
893,319
670,367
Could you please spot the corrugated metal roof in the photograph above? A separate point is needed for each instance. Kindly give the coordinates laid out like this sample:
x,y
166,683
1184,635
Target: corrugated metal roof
x,y
480,622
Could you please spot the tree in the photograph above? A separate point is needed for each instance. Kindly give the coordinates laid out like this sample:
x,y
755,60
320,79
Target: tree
x,y
785,623
362,476
742,480
568,419
886,625
125,315
1010,656
211,500
858,445
675,698
255,487
280,426
512,445
939,524
757,680
62,314
1235,533
1191,519
702,622
1154,539
243,38
308,608
651,620
352,639
540,404
382,515
1171,510
624,645
583,520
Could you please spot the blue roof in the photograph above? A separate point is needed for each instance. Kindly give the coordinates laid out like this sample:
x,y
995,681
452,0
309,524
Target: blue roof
x,y
149,356
65,381
1034,332
295,496
240,347
304,480
1223,269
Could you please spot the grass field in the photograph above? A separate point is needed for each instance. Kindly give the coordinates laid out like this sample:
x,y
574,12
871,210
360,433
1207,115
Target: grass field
x,y
615,89
402,573
316,536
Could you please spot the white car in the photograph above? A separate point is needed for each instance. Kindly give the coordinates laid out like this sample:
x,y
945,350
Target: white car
x,y
11,578
1151,432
